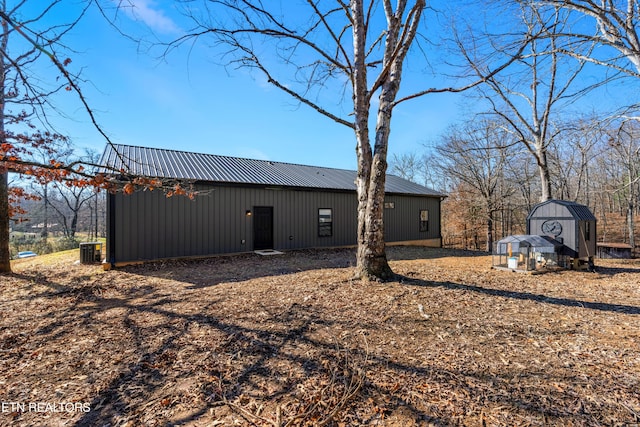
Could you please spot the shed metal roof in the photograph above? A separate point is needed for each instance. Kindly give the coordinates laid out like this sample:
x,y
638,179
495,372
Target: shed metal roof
x,y
174,164
576,210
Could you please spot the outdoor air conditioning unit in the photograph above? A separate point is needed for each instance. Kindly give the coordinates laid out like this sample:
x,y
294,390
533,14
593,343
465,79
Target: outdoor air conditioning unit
x,y
90,252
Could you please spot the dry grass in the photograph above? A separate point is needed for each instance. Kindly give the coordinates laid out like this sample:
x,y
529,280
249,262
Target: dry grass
x,y
291,340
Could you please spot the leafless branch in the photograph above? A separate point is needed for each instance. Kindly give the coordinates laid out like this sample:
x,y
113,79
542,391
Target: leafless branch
x,y
71,81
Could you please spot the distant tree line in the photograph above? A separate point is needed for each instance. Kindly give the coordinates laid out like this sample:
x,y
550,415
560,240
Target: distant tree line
x,y
492,182
57,216
60,211
559,123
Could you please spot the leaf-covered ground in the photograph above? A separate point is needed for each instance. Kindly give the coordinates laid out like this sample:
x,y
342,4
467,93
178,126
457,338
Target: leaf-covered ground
x,y
292,340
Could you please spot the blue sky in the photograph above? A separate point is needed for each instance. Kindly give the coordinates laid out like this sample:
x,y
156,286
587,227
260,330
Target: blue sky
x,y
189,102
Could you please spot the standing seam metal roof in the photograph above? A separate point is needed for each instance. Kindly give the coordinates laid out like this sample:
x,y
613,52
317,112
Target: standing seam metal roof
x,y
174,164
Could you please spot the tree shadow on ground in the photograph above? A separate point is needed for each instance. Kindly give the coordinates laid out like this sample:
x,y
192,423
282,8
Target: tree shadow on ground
x,y
525,296
58,289
207,272
244,370
409,253
281,371
612,271
288,360
212,271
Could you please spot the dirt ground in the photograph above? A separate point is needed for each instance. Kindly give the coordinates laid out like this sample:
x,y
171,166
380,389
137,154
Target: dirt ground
x,y
291,340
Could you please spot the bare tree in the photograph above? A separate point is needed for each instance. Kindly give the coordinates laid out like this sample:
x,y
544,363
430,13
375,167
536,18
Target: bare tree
x,y
408,166
522,172
573,156
476,154
97,204
359,49
614,27
624,142
31,34
529,98
25,97
463,220
73,199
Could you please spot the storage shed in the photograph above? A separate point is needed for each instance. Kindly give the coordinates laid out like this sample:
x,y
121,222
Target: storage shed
x,y
614,250
247,205
571,224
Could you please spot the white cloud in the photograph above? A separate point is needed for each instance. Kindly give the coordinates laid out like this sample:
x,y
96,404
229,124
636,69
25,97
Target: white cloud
x,y
148,12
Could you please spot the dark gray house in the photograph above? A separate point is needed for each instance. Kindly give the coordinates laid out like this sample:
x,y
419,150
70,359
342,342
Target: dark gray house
x,y
246,205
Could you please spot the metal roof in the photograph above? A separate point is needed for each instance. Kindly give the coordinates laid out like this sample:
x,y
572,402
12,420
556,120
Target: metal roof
x,y
174,164
576,210
539,243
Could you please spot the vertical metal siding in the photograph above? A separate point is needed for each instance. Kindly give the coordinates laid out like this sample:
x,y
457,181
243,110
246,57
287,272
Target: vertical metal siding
x,y
402,223
573,226
150,226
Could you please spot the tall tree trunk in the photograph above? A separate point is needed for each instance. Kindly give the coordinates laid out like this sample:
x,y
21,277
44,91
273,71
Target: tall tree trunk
x,y
630,220
74,217
371,256
255,24
45,228
372,166
490,232
545,175
5,255
631,209
74,225
96,223
5,258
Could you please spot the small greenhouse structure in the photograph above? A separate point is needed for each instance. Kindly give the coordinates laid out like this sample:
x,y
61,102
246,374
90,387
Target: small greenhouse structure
x,y
528,253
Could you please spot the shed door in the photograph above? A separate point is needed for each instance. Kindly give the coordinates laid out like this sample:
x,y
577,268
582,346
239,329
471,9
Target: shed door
x,y
262,227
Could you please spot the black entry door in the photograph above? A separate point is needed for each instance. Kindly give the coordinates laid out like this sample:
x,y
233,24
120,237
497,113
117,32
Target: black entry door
x,y
262,227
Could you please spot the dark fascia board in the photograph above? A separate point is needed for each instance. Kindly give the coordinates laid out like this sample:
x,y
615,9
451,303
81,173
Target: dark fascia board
x,y
214,184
